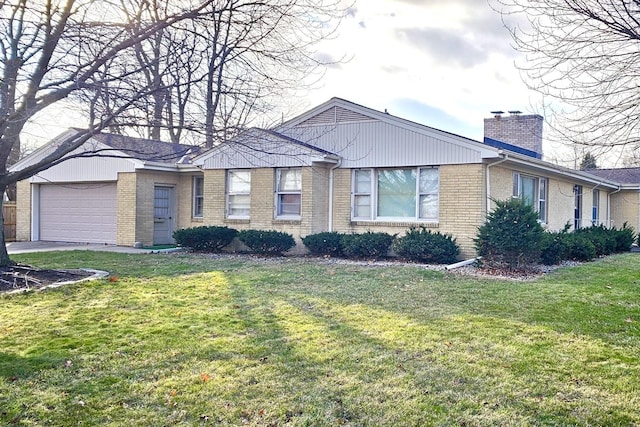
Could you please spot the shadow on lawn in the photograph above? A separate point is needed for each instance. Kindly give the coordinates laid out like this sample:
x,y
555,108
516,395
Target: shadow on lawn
x,y
14,367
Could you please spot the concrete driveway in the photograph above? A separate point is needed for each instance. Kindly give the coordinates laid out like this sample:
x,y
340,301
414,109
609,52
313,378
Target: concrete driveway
x,y
40,246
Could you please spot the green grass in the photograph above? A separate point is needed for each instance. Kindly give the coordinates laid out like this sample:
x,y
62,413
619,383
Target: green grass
x,y
186,340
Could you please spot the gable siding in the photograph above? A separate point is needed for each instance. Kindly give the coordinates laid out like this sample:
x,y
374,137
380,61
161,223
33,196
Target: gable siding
x,y
85,170
335,115
379,144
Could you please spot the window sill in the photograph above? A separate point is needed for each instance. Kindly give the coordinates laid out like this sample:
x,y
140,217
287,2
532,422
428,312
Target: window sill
x,y
403,224
289,221
197,219
237,220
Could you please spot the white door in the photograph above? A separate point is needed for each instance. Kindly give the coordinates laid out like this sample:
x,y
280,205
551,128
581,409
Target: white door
x,y
77,212
163,215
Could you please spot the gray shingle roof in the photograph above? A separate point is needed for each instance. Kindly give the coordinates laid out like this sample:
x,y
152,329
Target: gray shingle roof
x,y
149,150
621,175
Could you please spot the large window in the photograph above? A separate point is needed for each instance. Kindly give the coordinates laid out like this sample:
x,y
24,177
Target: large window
x,y
533,190
238,193
198,197
395,194
288,193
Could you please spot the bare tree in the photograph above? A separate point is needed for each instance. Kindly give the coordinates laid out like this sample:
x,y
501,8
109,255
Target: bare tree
x,y
215,74
51,50
584,57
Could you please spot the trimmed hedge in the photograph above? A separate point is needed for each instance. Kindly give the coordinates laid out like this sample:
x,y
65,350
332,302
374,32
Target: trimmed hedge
x,y
205,238
422,245
367,245
324,244
267,242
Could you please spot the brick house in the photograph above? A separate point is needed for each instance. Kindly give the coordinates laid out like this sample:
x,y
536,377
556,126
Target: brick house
x,y
337,167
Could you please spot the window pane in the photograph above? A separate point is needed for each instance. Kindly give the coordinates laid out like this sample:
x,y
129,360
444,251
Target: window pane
x,y
528,189
362,206
428,180
363,182
239,205
429,207
289,204
239,181
290,180
397,193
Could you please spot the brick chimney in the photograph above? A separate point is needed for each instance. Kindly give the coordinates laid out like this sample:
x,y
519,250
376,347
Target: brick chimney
x,y
524,131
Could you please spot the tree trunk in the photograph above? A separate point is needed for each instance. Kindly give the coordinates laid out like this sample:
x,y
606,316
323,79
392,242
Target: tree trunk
x,y
4,255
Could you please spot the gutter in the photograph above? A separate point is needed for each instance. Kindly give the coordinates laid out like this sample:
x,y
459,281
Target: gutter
x,y
505,157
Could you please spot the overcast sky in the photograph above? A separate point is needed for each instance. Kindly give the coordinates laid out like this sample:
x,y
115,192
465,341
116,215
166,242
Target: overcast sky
x,y
443,63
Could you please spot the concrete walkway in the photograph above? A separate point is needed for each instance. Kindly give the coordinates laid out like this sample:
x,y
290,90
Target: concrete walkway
x,y
40,246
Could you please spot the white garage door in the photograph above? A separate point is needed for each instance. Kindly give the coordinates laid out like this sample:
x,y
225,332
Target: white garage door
x,y
78,213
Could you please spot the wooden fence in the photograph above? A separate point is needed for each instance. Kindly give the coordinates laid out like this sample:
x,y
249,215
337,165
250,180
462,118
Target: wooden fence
x,y
9,214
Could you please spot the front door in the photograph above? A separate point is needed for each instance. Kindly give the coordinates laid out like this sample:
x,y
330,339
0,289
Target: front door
x,y
163,208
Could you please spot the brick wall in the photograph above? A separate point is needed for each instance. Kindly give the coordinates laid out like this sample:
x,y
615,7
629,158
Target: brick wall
x,y
462,206
126,209
521,130
23,211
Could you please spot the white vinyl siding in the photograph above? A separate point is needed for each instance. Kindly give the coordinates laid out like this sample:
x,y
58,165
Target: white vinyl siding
x,y
533,190
396,194
288,193
238,194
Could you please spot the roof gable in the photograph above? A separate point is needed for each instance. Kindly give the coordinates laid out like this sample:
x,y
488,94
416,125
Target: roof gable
x,y
263,148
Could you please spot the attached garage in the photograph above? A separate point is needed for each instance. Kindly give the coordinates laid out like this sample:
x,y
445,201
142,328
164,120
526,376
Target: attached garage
x,y
77,212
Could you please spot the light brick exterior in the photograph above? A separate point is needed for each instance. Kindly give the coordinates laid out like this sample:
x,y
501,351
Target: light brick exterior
x,y
625,207
23,211
462,206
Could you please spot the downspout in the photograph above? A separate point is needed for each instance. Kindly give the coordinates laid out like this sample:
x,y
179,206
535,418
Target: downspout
x,y
333,168
505,157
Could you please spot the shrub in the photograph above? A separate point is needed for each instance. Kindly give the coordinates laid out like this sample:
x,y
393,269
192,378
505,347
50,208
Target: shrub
x,y
624,238
267,242
206,238
366,245
580,247
602,238
420,244
327,243
556,247
511,237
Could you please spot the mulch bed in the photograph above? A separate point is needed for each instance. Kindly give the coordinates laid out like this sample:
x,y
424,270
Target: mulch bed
x,y
20,277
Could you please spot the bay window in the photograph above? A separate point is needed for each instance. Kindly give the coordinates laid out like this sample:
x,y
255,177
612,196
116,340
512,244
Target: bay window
x,y
396,194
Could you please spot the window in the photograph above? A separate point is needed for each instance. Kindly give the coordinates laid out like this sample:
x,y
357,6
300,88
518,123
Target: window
x,y
198,197
396,194
288,193
533,190
595,214
238,193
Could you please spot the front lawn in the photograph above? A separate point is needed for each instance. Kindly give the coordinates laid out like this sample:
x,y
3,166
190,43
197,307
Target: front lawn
x,y
189,340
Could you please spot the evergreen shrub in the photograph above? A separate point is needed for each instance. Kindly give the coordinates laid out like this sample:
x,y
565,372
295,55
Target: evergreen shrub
x,y
512,236
422,245
328,243
205,238
267,242
366,245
